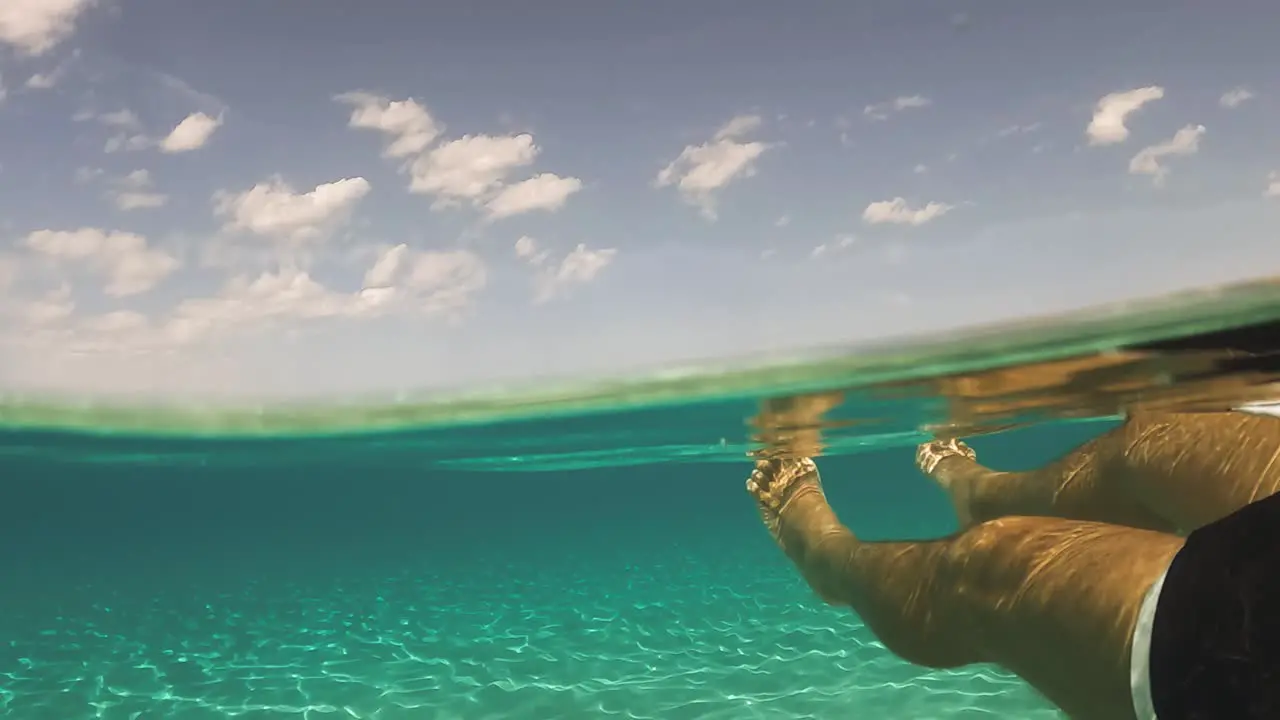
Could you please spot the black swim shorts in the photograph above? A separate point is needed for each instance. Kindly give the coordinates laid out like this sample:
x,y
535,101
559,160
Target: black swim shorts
x,y
1215,639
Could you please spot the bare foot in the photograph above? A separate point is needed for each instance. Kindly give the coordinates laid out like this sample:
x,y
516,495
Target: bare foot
x,y
775,483
943,461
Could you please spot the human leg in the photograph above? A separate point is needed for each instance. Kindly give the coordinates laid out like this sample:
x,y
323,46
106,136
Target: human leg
x,y
1052,600
1164,471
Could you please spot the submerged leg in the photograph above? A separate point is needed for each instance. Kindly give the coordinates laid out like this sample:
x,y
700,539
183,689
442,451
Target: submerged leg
x,y
1086,484
1173,472
1052,600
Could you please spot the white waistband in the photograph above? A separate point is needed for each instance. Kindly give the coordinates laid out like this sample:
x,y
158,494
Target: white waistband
x,y
1140,658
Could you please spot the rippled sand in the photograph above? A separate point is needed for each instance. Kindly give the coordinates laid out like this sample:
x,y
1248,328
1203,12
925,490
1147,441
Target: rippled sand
x,y
670,636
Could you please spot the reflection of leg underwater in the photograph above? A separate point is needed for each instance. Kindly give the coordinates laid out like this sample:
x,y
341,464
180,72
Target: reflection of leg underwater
x,y
1171,472
1053,600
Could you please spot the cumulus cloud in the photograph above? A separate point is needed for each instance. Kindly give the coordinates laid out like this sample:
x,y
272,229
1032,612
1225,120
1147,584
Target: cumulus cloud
x,y
131,267
738,126
527,249
34,27
426,283
882,110
128,130
1107,127
247,303
123,118
840,242
136,191
544,191
471,167
123,142
474,170
701,171
190,134
407,123
898,212
1184,142
1273,185
554,279
383,272
1235,97
430,281
43,81
274,209
44,311
50,78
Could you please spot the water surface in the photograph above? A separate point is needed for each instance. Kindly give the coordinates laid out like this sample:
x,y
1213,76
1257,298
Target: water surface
x,y
584,551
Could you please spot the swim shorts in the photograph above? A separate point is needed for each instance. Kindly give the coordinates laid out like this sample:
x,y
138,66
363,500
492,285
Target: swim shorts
x,y
1215,635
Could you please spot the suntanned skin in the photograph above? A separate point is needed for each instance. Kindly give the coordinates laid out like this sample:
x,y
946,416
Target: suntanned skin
x,y
1053,599
1173,472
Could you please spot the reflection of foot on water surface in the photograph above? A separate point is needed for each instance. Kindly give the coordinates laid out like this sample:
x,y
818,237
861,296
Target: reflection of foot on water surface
x,y
1076,574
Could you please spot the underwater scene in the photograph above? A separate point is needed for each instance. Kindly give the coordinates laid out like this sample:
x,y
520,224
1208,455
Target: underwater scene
x,y
574,552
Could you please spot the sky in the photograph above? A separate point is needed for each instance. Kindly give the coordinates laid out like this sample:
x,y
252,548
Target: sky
x,y
315,197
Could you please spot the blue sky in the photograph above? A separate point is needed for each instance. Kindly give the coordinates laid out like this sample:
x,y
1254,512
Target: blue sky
x,y
300,197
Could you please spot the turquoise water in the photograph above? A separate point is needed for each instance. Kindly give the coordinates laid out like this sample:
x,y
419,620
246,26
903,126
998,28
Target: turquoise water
x,y
265,579
566,555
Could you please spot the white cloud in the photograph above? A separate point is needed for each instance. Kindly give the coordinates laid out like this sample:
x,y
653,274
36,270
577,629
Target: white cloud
x,y
444,281
1235,97
739,126
544,191
130,266
1107,127
839,243
135,191
425,283
430,281
471,167
408,123
248,304
702,170
1273,185
42,81
124,142
36,26
1184,142
52,308
48,80
128,127
527,248
551,279
898,212
274,209
122,118
190,134
131,200
384,270
882,110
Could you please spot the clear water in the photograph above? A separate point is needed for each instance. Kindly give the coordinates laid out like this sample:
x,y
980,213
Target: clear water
x,y
562,565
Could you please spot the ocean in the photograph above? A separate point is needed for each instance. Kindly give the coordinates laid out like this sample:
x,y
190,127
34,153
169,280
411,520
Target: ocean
x,y
583,551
